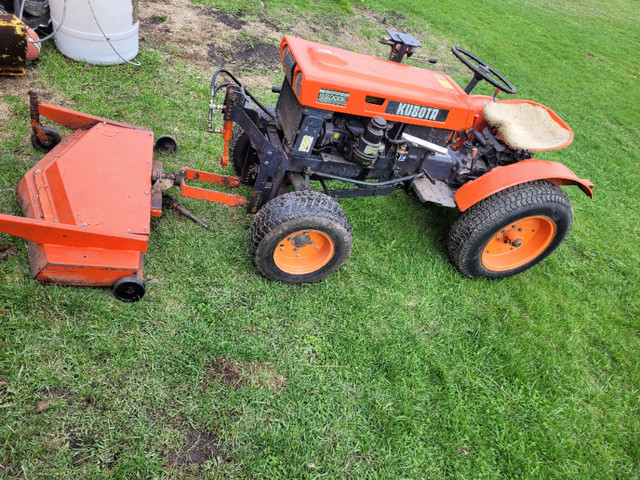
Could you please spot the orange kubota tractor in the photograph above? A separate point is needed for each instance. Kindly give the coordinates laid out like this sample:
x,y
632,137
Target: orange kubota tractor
x,y
377,125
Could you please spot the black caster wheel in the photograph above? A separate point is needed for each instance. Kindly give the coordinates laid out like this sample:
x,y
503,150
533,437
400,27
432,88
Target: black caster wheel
x,y
166,145
129,289
53,139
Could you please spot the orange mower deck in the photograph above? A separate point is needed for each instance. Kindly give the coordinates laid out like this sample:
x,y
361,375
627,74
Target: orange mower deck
x,y
89,201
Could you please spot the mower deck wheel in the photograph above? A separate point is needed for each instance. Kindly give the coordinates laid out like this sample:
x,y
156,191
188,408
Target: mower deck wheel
x,y
510,231
300,237
166,145
242,153
129,289
53,138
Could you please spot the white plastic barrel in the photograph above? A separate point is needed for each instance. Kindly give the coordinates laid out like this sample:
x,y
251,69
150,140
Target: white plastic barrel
x,y
102,32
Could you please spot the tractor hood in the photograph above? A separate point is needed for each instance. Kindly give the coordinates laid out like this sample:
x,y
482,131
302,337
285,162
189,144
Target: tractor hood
x,y
331,78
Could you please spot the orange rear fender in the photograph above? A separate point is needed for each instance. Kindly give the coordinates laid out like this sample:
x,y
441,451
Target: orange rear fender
x,y
524,171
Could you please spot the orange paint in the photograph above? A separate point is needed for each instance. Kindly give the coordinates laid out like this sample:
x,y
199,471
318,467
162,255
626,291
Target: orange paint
x,y
310,254
226,135
211,195
524,171
87,202
372,83
518,243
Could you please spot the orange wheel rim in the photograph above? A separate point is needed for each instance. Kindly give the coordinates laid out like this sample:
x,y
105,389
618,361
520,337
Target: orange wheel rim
x,y
518,243
304,251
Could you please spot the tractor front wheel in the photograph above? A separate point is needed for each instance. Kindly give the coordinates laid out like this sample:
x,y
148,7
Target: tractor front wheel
x,y
300,237
510,231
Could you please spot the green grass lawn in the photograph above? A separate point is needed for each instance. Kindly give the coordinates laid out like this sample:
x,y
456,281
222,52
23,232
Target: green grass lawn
x,y
394,367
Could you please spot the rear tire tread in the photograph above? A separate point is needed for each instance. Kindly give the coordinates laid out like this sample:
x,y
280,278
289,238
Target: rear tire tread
x,y
492,211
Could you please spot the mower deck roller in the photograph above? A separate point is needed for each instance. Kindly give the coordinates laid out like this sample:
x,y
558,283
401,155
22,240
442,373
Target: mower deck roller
x,y
89,201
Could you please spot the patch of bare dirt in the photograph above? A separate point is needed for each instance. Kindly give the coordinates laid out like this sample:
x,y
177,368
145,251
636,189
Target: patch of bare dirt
x,y
225,370
208,38
83,447
42,405
263,375
232,21
7,251
4,393
239,374
199,446
51,395
18,86
246,54
78,447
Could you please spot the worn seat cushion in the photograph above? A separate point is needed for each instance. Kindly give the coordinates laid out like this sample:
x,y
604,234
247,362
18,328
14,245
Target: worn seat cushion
x,y
525,126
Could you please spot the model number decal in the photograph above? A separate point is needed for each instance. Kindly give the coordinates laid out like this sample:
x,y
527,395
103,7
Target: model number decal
x,y
417,111
333,97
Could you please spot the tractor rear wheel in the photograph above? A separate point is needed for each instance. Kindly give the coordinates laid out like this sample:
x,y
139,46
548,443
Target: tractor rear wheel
x,y
510,231
300,237
242,153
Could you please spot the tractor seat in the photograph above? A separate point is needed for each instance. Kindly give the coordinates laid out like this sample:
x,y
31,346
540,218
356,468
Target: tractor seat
x,y
527,126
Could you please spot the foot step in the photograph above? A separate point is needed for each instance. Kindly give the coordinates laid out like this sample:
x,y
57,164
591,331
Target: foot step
x,y
439,193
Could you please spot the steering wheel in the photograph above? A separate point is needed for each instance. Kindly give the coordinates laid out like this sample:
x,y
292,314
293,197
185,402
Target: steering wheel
x,y
482,71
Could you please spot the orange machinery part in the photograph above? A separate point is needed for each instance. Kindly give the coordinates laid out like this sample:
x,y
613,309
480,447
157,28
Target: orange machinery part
x,y
370,85
524,171
87,202
226,135
211,195
76,120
